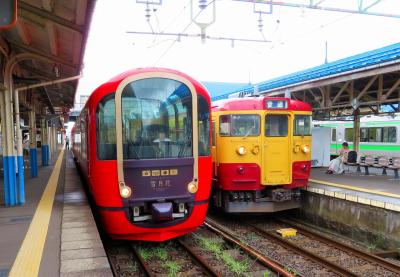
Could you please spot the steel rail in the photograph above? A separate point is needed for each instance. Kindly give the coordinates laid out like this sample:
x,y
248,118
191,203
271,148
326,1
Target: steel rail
x,y
215,227
304,252
148,272
198,259
341,246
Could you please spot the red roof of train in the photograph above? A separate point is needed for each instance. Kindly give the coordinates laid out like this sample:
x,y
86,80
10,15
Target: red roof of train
x,y
257,103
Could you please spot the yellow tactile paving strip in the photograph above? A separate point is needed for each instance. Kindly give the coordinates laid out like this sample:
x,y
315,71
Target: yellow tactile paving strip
x,y
29,255
355,198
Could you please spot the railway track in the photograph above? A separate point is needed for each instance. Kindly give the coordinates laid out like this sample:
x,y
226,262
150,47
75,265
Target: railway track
x,y
312,254
208,252
224,247
123,261
364,263
295,262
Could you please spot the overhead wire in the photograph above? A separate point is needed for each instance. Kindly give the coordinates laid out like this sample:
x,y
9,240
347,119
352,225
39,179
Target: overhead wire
x,y
173,43
171,22
305,34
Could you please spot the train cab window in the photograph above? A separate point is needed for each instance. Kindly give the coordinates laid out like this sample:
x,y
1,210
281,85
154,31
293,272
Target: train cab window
x,y
157,120
302,125
276,125
225,125
240,125
105,128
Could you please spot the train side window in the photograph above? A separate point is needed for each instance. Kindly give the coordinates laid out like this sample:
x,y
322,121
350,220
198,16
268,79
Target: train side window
x,y
373,135
213,133
389,134
302,125
105,128
333,134
349,134
364,135
203,125
276,126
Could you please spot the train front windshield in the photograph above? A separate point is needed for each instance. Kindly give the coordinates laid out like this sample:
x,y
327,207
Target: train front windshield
x,y
157,120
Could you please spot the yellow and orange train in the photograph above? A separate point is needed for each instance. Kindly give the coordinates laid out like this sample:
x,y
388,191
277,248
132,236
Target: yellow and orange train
x,y
261,153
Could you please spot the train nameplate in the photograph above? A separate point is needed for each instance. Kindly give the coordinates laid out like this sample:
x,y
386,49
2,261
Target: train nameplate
x,y
160,185
159,172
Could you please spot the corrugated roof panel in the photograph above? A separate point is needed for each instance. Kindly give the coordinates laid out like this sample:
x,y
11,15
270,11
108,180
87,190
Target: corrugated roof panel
x,y
374,57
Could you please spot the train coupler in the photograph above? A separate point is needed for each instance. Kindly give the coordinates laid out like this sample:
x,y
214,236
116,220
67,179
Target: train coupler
x,y
280,195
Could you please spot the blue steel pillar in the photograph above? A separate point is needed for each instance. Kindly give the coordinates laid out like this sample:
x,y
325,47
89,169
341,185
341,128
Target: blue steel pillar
x,y
33,143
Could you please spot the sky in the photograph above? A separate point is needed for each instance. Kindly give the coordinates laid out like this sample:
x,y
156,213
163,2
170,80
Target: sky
x,y
293,39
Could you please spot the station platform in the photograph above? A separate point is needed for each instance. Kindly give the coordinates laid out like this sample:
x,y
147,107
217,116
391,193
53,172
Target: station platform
x,y
374,190
54,233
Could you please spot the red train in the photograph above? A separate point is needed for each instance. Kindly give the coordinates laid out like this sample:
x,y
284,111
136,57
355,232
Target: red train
x,y
143,143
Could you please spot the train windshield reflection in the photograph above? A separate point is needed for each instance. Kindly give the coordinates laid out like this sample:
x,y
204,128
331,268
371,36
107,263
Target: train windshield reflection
x,y
157,119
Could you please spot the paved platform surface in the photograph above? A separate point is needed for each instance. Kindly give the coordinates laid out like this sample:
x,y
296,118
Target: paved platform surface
x,y
82,252
54,233
376,190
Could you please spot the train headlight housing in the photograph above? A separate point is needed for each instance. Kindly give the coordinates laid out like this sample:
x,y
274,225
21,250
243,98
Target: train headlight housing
x,y
192,187
125,192
241,150
305,149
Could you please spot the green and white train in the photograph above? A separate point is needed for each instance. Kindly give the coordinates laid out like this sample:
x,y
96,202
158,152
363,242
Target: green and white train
x,y
379,136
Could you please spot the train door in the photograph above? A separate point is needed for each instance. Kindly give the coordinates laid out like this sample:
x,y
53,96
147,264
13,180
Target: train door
x,y
87,142
276,154
214,145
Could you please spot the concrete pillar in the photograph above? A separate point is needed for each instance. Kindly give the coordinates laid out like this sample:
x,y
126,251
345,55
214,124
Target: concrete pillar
x,y
4,146
45,146
356,128
20,154
55,139
9,159
33,143
49,142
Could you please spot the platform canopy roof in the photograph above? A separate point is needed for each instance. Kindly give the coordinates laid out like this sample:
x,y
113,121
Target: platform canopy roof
x,y
55,31
375,57
368,81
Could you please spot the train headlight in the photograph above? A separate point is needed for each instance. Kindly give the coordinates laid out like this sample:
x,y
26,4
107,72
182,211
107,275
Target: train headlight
x,y
255,150
192,187
305,149
241,150
125,191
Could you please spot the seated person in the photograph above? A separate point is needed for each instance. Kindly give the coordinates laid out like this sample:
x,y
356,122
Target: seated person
x,y
336,166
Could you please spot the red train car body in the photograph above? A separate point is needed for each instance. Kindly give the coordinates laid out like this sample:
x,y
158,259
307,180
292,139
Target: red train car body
x,y
142,141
